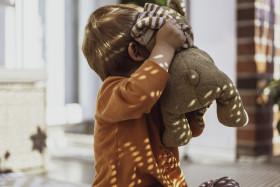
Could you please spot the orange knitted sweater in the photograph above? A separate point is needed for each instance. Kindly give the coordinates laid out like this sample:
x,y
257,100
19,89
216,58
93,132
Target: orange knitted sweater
x,y
127,144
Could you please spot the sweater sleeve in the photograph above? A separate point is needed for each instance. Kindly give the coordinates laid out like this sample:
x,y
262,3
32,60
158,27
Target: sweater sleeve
x,y
122,98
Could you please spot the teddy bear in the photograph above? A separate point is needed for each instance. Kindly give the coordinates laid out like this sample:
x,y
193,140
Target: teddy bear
x,y
195,81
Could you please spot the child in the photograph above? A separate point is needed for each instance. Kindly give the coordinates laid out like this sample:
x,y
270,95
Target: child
x,y
127,144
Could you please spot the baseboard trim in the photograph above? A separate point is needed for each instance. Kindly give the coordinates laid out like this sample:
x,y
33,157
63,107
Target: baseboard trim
x,y
206,154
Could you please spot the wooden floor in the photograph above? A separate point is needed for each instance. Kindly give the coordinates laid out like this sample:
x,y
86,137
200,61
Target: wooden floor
x,y
74,167
78,172
246,174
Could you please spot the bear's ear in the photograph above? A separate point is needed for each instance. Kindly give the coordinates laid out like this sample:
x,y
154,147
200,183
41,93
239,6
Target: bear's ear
x,y
178,6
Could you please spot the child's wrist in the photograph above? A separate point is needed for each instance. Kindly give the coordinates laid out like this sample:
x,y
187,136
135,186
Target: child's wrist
x,y
166,47
162,55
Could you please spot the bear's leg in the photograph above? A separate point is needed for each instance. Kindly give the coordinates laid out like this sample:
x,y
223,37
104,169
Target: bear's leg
x,y
177,130
230,108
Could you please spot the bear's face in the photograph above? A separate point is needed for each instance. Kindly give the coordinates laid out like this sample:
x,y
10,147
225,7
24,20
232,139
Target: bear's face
x,y
185,70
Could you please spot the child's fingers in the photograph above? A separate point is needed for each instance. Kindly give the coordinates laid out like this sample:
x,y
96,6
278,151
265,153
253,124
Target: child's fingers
x,y
178,27
173,24
171,33
172,21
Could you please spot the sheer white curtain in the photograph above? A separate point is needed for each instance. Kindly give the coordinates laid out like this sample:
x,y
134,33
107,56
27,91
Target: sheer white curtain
x,y
21,35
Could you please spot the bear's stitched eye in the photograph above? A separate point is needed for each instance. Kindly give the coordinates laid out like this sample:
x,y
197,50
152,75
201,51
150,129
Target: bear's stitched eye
x,y
193,77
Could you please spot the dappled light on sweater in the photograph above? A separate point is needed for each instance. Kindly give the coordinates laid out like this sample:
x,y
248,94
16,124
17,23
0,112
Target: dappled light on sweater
x,y
127,141
150,69
113,176
142,77
161,169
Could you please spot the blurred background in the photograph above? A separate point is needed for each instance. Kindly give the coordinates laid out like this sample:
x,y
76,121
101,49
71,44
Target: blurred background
x,y
48,91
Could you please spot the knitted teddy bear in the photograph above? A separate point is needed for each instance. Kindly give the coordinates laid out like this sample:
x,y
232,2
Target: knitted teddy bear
x,y
195,82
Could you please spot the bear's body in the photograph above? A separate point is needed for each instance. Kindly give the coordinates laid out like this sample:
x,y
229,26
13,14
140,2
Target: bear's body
x,y
195,82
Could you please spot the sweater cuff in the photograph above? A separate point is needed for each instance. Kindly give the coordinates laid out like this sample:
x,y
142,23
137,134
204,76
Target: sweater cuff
x,y
152,68
151,77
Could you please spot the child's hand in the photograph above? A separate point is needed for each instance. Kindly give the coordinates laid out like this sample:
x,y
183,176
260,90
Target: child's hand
x,y
171,35
169,38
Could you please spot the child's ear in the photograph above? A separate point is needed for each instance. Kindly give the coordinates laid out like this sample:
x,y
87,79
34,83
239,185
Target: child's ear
x,y
136,52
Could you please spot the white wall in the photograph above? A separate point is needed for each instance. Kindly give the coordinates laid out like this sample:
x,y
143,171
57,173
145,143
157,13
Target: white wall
x,y
213,25
2,36
55,61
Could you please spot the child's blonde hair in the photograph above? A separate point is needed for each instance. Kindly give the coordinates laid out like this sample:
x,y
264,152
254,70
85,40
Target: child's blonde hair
x,y
106,39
